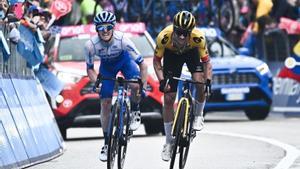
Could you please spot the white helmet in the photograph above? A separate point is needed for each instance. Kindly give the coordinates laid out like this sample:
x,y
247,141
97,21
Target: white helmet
x,y
105,17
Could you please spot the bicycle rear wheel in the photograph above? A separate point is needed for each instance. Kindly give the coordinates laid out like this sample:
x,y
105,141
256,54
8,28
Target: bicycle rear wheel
x,y
123,140
178,131
113,137
226,16
185,143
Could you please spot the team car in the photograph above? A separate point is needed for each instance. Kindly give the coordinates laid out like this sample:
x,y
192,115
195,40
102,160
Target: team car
x,y
239,82
77,105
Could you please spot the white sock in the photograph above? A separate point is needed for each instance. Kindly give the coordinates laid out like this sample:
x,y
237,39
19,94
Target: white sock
x,y
168,130
199,107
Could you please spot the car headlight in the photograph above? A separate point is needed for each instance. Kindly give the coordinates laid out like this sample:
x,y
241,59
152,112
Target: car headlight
x,y
68,77
263,68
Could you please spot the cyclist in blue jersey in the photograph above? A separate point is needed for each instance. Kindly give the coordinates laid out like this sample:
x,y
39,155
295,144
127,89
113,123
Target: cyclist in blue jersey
x,y
116,53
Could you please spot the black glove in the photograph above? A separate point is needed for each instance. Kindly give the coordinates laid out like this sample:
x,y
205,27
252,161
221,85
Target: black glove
x,y
208,91
162,85
97,83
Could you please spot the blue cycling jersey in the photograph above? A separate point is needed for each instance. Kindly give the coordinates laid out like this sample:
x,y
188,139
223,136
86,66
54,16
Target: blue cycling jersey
x,y
118,55
111,52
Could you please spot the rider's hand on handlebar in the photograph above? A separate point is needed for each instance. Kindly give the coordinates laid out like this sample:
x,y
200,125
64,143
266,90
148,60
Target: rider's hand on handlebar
x,y
164,86
97,85
208,91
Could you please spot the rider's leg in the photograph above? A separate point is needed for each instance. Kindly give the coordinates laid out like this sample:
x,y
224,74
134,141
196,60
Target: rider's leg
x,y
135,107
196,68
199,101
168,115
172,67
104,117
135,97
105,95
130,71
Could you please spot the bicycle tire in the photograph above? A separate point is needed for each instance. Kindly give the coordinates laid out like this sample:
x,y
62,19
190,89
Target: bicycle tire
x,y
178,134
113,137
226,16
123,143
184,148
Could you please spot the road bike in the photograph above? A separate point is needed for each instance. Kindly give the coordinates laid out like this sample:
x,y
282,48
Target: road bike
x,y
182,129
119,121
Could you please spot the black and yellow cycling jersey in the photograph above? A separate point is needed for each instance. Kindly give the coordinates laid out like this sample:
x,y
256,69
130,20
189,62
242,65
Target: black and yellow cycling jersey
x,y
196,41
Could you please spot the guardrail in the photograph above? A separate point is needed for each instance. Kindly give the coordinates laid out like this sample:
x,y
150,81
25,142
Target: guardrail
x,y
29,133
28,130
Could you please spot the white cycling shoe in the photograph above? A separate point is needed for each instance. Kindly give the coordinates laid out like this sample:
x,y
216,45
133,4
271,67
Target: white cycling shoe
x,y
103,153
198,123
135,120
167,152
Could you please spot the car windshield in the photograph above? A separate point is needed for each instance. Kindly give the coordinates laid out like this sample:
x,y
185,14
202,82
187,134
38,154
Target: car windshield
x,y
72,49
220,48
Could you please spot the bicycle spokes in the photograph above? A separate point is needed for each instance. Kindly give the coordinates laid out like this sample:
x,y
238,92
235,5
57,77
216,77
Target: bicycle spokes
x,y
123,139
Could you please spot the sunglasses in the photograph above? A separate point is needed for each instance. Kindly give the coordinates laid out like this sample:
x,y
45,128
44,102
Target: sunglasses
x,y
105,27
180,32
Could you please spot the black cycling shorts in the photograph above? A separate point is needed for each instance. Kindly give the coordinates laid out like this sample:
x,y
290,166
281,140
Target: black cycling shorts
x,y
172,64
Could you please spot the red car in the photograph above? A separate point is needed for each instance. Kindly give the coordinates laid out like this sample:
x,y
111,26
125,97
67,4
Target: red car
x,y
77,105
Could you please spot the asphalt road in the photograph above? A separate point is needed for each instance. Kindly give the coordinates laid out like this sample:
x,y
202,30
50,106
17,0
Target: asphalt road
x,y
228,141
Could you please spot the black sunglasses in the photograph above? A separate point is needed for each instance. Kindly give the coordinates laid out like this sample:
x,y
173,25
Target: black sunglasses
x,y
180,32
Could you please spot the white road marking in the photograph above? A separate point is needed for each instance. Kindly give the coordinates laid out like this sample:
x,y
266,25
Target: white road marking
x,y
292,153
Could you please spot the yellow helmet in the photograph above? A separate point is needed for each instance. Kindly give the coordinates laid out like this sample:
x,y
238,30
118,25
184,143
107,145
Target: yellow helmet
x,y
184,20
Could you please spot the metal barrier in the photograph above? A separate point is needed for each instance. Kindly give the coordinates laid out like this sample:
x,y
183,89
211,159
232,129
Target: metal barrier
x,y
276,46
28,130
16,63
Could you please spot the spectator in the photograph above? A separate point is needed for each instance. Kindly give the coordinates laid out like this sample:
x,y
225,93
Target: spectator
x,y
107,5
3,9
135,10
121,10
260,17
87,8
285,8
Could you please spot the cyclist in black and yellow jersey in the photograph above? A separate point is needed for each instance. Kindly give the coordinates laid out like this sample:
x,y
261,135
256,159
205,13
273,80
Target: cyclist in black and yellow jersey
x,y
178,44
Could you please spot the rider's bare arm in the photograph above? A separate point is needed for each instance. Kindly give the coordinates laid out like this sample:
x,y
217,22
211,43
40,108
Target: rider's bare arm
x,y
207,70
89,53
158,68
143,69
92,74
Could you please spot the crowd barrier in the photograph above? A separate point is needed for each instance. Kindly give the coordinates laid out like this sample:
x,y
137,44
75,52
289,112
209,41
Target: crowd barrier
x,y
28,130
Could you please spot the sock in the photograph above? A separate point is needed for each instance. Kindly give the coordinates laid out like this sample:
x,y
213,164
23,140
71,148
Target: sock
x,y
105,138
135,106
168,130
199,107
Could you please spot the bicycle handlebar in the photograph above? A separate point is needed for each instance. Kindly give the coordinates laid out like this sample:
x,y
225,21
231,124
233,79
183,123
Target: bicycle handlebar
x,y
119,79
187,80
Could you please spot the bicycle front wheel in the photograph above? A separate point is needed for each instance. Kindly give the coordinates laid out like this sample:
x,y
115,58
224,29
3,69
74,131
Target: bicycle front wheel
x,y
179,122
185,143
123,139
113,137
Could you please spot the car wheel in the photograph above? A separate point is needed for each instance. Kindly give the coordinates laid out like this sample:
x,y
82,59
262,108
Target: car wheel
x,y
154,127
257,113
